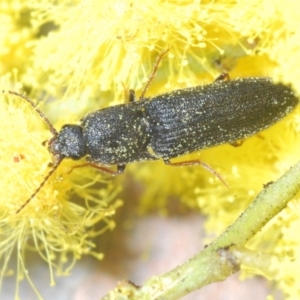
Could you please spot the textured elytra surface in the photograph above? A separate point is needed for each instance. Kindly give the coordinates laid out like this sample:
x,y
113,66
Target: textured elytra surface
x,y
179,122
205,116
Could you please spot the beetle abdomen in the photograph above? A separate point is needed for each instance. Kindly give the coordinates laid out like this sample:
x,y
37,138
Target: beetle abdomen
x,y
190,119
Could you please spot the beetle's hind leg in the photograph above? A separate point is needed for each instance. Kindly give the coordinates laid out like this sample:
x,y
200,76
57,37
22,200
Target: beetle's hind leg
x,y
196,162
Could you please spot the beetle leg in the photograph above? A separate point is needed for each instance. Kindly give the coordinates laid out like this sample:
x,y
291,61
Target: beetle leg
x,y
237,143
196,162
153,73
131,97
120,169
222,77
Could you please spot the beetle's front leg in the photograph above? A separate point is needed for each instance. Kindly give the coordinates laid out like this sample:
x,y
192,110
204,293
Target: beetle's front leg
x,y
120,169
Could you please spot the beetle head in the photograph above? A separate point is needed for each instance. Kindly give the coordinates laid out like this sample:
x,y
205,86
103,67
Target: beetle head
x,y
67,143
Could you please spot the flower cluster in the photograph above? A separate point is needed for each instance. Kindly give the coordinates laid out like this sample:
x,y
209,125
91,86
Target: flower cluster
x,y
96,51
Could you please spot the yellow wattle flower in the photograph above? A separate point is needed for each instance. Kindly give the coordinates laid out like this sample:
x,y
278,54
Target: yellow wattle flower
x,y
95,51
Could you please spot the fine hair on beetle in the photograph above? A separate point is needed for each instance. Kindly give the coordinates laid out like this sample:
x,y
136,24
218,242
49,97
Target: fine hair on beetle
x,y
169,125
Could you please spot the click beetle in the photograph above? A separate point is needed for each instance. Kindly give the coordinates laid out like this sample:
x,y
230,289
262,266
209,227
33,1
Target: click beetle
x,y
169,125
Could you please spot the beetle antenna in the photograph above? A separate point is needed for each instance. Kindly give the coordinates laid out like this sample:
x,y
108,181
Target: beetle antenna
x,y
54,133
51,127
153,73
40,186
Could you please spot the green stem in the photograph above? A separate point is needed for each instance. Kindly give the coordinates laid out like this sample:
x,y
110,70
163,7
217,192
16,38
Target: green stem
x,y
218,260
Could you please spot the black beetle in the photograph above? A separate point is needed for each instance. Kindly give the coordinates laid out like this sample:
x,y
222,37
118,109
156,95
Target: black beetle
x,y
171,124
175,123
